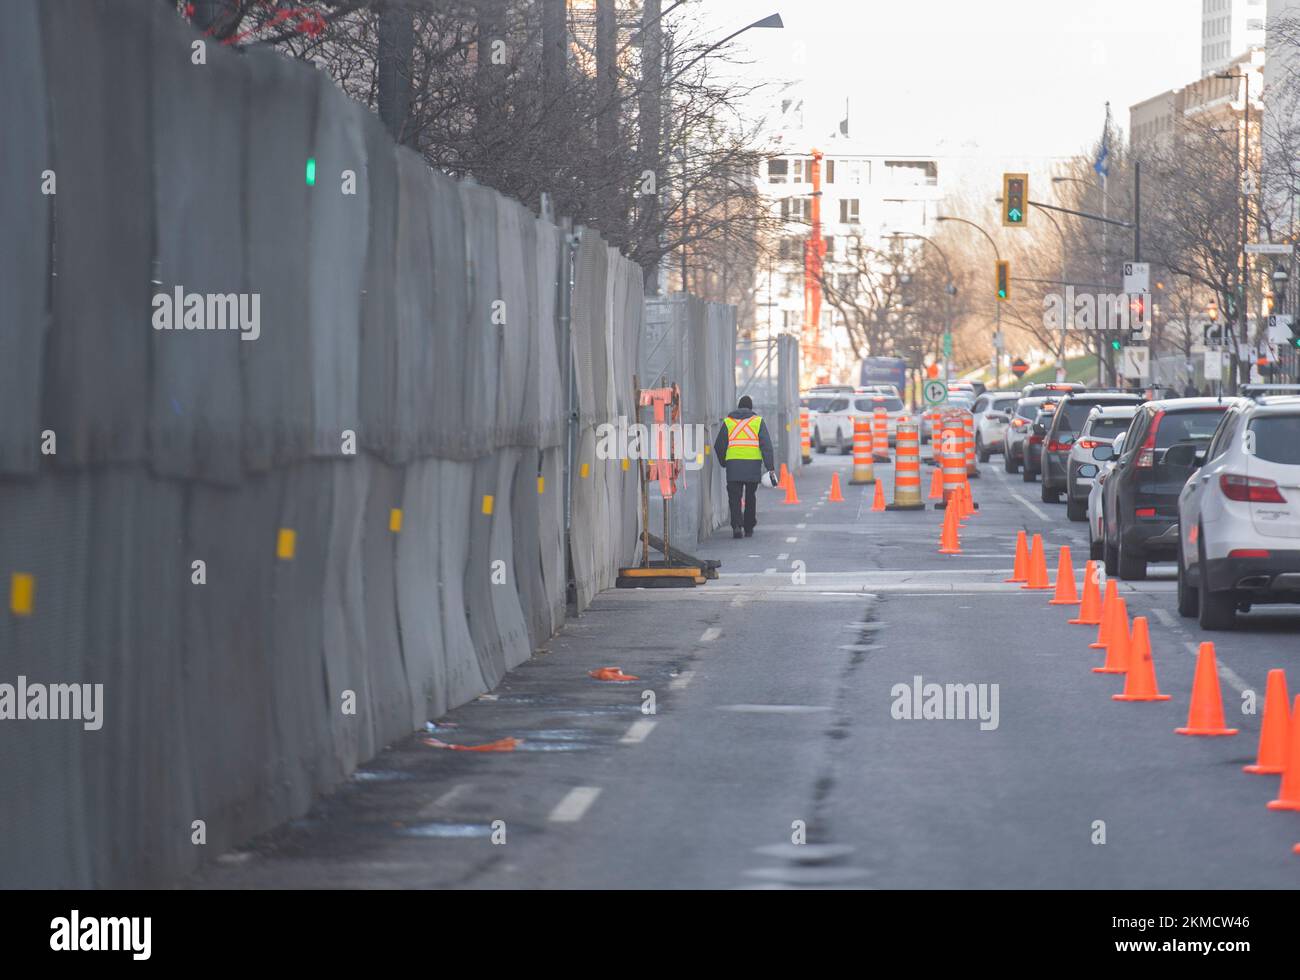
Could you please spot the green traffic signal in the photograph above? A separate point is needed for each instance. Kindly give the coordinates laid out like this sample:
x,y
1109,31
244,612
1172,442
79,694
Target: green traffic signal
x,y
1114,344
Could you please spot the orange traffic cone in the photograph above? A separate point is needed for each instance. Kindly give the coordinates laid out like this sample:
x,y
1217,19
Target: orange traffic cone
x,y
949,540
1037,565
1288,795
1271,758
1107,613
1090,608
969,499
1117,641
611,674
1020,570
791,495
836,497
878,502
1206,714
1066,592
785,477
936,484
1140,684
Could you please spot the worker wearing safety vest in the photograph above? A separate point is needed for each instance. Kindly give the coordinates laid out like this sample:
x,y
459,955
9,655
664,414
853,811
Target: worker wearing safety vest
x,y
744,447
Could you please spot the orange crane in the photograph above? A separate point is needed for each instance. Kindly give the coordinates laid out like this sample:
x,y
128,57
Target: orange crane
x,y
811,352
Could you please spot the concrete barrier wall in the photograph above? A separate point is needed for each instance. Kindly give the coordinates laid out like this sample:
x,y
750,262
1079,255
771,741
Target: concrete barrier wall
x,y
277,555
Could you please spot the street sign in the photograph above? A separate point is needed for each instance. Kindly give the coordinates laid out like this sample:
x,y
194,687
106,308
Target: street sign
x,y
1213,365
947,345
1019,367
1279,328
936,392
1134,361
1268,248
1137,277
1214,334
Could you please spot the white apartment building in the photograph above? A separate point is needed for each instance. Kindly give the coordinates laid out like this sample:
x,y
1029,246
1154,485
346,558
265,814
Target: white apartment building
x,y
1229,27
866,196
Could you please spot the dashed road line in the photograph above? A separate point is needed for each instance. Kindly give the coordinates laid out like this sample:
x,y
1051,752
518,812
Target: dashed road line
x,y
681,680
1042,514
638,731
575,804
710,634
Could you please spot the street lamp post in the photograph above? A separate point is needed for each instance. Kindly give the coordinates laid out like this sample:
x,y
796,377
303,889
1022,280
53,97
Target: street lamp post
x,y
1243,208
774,22
997,363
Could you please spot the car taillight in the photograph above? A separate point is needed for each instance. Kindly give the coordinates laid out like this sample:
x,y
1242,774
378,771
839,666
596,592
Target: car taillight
x,y
1248,553
1145,512
1019,423
1057,447
1089,443
1035,439
1251,489
1146,455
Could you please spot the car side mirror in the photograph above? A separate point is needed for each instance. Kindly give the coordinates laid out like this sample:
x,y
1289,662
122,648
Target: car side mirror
x,y
1102,453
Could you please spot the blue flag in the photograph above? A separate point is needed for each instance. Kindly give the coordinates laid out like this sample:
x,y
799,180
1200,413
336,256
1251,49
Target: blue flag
x,y
1101,165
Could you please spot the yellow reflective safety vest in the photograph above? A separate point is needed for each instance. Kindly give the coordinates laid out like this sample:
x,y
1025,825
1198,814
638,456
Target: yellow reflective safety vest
x,y
742,437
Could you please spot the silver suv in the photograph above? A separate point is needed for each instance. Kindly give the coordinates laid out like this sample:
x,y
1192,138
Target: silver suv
x,y
1239,514
1103,424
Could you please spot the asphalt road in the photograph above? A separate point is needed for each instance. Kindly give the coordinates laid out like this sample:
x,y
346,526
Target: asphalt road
x,y
775,690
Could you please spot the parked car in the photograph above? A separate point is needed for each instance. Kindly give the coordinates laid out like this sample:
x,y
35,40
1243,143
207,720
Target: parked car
x,y
835,423
1142,491
1104,424
1239,514
1037,435
1066,425
1017,431
1097,496
992,411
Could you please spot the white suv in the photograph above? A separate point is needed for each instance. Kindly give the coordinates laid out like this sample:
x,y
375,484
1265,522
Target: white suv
x,y
992,411
1239,515
834,427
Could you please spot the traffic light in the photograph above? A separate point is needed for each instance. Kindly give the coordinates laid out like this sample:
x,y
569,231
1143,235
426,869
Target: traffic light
x,y
1115,344
1015,199
1004,280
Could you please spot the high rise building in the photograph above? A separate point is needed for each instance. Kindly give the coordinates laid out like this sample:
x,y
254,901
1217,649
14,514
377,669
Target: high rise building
x,y
1229,28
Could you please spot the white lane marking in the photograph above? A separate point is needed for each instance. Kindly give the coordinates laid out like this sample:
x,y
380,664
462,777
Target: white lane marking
x,y
769,571
1230,676
710,634
681,680
800,527
782,557
444,800
791,540
575,804
638,732
1165,617
1042,514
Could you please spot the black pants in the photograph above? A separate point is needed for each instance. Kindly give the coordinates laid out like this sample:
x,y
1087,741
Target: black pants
x,y
749,518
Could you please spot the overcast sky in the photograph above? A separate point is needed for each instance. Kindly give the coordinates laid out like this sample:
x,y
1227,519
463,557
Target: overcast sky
x,y
1004,78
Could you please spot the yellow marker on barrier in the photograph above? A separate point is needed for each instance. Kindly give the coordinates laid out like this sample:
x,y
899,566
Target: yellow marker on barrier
x,y
625,464
584,470
487,503
22,587
707,450
395,519
541,484
285,543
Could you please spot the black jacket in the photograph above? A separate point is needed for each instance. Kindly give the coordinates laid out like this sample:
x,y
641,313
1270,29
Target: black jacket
x,y
745,470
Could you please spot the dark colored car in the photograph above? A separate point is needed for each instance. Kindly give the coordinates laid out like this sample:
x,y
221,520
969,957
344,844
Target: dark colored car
x,y
1017,432
1033,460
1067,423
1141,492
